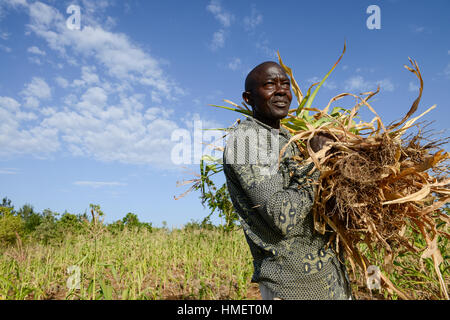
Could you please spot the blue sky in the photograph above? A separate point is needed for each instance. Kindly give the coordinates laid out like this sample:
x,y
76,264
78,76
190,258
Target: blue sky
x,y
86,116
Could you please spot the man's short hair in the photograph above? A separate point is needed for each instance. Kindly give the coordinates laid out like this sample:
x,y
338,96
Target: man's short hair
x,y
249,81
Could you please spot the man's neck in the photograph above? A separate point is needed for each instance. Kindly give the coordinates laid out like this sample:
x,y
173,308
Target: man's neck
x,y
275,124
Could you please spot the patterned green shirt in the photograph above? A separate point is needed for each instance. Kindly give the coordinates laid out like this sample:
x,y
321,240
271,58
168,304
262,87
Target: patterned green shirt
x,y
274,205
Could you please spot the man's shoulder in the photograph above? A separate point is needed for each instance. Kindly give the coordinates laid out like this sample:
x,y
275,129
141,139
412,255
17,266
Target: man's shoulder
x,y
246,127
247,132
249,122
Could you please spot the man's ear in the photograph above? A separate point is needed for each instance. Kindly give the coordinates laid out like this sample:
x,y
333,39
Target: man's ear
x,y
247,96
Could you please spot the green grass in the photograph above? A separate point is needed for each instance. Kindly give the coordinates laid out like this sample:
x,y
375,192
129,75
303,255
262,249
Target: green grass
x,y
411,274
178,264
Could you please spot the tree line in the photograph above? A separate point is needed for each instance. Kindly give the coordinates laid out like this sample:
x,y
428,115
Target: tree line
x,y
50,227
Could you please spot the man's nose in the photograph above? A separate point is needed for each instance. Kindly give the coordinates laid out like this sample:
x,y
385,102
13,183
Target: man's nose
x,y
280,89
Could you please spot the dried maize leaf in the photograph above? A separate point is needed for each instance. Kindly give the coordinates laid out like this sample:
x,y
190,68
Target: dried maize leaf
x,y
298,93
415,104
408,124
416,196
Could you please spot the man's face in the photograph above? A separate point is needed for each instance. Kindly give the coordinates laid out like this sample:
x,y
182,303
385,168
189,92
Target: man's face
x,y
270,94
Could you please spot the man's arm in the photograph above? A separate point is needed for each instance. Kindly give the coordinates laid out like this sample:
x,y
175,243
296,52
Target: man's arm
x,y
282,200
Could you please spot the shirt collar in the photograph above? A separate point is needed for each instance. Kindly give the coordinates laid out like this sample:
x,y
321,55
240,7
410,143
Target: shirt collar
x,y
283,131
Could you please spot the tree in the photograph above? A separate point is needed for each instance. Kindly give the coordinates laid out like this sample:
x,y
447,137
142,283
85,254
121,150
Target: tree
x,y
131,220
30,218
6,203
70,223
216,199
47,230
10,224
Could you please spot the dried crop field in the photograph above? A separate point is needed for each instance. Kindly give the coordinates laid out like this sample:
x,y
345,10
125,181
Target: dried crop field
x,y
177,264
166,264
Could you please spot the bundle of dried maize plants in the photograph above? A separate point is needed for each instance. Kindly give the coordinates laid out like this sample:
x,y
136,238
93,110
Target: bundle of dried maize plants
x,y
375,181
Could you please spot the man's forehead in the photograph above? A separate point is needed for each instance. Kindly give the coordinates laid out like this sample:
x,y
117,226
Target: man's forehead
x,y
264,71
271,71
267,66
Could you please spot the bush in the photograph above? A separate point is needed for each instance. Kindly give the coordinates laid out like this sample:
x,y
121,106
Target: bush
x,y
70,223
115,227
47,231
10,225
131,221
196,225
30,218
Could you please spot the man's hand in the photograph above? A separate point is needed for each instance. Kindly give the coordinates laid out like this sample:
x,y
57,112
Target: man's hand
x,y
319,141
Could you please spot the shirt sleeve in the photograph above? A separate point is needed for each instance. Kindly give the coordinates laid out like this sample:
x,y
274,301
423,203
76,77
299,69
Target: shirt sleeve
x,y
283,197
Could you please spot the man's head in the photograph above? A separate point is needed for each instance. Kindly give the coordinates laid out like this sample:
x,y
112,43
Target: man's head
x,y
268,91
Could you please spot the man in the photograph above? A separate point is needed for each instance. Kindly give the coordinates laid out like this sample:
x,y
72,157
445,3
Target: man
x,y
274,202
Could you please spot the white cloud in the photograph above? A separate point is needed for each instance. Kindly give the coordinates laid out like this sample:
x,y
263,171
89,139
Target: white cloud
x,y
36,50
358,83
234,64
420,29
385,85
224,17
104,116
16,3
48,111
154,113
218,40
327,84
126,132
42,14
35,60
93,100
35,91
98,184
447,70
16,140
26,116
62,82
9,104
8,171
263,46
4,35
37,88
122,59
93,12
156,97
412,86
252,21
5,48
88,77
31,102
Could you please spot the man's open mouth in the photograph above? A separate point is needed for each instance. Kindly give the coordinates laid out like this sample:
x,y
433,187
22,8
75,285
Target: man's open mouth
x,y
280,103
